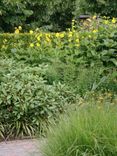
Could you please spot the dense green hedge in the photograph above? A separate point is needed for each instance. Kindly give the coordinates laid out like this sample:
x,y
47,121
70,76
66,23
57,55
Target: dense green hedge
x,y
37,13
101,7
49,15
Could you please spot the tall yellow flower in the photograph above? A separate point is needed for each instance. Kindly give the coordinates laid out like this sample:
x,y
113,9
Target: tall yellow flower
x,y
48,35
17,31
114,20
48,39
31,31
31,45
62,35
57,34
38,45
38,38
20,28
95,31
70,34
77,40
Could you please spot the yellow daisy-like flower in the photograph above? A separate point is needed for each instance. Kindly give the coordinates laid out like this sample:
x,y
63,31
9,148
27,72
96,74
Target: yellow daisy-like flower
x,y
38,45
95,31
31,44
62,35
114,20
38,38
20,28
48,35
70,34
57,34
48,39
17,31
77,40
41,35
94,17
31,32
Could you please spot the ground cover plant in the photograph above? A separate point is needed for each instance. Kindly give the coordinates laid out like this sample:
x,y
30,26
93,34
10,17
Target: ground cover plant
x,y
26,100
90,130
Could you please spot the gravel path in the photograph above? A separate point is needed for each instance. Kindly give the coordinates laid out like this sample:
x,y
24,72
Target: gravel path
x,y
20,148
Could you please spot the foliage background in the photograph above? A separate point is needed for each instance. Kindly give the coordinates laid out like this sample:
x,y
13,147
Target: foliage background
x,y
50,15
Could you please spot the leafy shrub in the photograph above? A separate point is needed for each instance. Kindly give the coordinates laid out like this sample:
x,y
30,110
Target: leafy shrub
x,y
101,7
88,131
49,15
14,13
92,44
52,15
26,101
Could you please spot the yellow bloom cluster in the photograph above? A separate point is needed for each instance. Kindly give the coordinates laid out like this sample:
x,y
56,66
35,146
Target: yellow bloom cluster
x,y
71,38
18,29
114,20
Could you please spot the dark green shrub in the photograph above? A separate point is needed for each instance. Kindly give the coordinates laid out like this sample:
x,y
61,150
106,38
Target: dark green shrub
x,y
50,15
100,7
53,15
25,13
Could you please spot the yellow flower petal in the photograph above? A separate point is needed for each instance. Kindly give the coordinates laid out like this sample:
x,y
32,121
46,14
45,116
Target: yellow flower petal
x,y
17,31
31,44
31,31
38,45
20,28
95,31
114,20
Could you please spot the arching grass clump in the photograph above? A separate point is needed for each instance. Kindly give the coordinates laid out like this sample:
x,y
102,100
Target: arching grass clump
x,y
86,132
